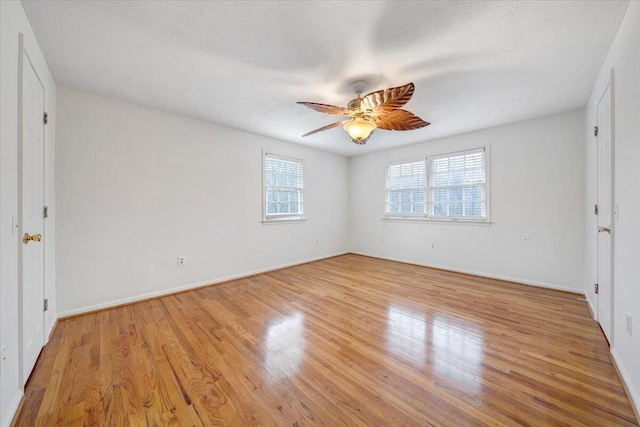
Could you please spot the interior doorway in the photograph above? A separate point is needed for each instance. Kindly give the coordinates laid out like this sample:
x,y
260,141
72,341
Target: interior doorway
x,y
31,220
604,229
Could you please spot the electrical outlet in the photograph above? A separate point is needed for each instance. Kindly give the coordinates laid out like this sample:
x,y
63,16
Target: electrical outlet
x,y
629,324
181,261
433,245
525,239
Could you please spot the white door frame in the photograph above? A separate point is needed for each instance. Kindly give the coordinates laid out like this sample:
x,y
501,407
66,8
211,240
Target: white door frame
x,y
22,53
614,210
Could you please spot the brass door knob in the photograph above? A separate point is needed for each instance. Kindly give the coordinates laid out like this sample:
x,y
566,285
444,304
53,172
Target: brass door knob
x,y
604,230
35,238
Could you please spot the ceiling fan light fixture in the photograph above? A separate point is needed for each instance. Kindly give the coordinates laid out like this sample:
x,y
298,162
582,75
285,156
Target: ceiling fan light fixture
x,y
359,129
376,110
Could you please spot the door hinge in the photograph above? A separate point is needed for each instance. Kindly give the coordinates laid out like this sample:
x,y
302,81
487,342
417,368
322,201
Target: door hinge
x,y
595,210
595,131
45,212
45,119
46,304
596,288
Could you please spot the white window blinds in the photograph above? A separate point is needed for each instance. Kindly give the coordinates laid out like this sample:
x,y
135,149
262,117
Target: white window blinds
x,y
405,188
283,187
457,185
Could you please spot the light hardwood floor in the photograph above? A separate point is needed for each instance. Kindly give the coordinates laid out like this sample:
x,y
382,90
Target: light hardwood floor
x,y
349,340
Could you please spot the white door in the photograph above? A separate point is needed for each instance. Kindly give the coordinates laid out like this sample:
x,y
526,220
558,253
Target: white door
x,y
604,214
31,218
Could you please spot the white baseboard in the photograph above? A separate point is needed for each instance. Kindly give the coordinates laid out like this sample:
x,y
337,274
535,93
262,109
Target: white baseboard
x,y
626,379
476,273
11,410
592,307
137,298
49,329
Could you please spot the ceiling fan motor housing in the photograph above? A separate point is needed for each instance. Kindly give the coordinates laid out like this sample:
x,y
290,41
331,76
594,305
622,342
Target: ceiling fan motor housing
x,y
354,104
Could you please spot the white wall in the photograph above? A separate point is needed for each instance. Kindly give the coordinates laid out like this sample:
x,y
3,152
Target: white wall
x,y
12,22
537,188
624,58
137,188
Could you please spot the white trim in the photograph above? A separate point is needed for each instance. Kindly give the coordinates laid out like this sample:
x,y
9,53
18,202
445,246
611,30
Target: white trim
x,y
612,173
431,220
476,273
457,153
387,189
485,148
486,152
284,220
24,53
280,217
400,162
591,305
626,379
170,291
281,157
612,197
12,410
50,327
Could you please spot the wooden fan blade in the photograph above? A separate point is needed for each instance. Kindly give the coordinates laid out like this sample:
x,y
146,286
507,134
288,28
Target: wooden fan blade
x,y
389,99
327,127
325,108
400,120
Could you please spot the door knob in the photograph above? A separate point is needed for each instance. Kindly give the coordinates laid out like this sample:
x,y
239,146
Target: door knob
x,y
35,238
604,230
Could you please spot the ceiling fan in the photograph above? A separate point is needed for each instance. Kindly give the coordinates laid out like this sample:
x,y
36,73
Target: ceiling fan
x,y
376,110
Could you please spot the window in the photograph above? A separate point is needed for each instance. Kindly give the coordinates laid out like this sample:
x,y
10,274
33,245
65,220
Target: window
x,y
406,183
446,186
457,185
282,187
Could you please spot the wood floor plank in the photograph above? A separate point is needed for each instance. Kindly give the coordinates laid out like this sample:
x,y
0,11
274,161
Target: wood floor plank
x,y
349,340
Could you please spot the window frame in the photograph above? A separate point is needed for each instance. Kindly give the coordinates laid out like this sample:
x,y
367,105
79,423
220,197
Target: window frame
x,y
415,215
427,217
428,197
285,217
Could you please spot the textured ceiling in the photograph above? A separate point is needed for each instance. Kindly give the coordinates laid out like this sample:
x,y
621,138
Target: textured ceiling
x,y
475,64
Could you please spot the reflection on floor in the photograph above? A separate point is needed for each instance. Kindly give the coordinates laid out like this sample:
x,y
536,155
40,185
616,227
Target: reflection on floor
x,y
285,345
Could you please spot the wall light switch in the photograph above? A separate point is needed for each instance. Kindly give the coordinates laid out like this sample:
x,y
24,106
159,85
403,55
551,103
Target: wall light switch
x,y
181,261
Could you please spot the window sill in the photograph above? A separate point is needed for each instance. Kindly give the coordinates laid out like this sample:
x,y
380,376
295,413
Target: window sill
x,y
283,220
448,221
